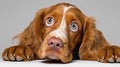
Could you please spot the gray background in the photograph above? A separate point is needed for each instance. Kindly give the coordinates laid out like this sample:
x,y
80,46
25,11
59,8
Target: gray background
x,y
15,16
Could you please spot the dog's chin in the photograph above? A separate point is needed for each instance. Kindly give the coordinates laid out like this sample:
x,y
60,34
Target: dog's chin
x,y
53,55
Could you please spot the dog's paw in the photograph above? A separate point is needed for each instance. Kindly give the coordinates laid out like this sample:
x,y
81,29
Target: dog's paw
x,y
17,53
109,54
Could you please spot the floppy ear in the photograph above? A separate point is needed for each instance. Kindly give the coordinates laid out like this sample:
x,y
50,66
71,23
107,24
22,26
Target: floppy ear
x,y
92,41
89,37
89,32
32,35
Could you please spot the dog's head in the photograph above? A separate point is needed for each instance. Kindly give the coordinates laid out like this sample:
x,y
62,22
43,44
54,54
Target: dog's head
x,y
55,32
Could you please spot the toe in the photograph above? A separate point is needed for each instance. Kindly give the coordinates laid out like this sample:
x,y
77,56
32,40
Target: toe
x,y
19,58
111,60
118,60
12,58
5,57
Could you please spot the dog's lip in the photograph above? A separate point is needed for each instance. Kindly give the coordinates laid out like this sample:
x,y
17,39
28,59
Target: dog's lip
x,y
52,54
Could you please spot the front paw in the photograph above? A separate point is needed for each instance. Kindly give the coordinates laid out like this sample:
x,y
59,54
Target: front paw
x,y
109,54
17,53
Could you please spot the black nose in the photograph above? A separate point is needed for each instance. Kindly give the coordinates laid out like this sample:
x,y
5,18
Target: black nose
x,y
55,43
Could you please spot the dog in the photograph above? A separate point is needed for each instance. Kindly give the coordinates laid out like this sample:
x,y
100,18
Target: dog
x,y
62,32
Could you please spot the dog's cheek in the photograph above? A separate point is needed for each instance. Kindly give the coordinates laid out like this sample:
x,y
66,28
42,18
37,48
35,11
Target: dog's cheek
x,y
66,55
42,50
66,59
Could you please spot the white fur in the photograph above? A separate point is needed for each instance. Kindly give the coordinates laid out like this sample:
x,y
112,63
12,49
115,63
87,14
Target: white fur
x,y
60,32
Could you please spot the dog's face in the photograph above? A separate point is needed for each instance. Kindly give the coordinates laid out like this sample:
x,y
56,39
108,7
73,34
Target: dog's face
x,y
62,25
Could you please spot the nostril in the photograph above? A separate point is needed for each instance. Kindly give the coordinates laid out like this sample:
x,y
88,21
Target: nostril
x,y
58,45
51,43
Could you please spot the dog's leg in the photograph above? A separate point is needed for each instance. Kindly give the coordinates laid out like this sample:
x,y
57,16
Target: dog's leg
x,y
18,53
109,54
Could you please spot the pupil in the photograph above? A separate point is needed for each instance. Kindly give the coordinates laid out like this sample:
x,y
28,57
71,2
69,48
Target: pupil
x,y
49,21
73,25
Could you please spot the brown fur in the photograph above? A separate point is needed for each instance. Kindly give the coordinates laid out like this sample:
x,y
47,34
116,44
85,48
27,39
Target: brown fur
x,y
33,40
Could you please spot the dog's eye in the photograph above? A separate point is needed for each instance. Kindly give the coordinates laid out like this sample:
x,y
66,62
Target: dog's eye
x,y
50,21
73,26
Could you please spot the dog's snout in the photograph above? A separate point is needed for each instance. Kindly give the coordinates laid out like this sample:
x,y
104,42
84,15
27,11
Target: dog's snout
x,y
55,43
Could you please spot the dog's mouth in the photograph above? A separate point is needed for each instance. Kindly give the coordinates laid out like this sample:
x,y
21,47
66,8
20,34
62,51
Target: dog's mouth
x,y
63,54
53,54
55,49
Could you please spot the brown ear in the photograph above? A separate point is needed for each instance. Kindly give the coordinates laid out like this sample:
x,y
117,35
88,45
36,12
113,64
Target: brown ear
x,y
33,33
92,41
89,35
89,32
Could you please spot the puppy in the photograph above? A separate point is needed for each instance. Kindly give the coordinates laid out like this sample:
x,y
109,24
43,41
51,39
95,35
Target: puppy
x,y
62,32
